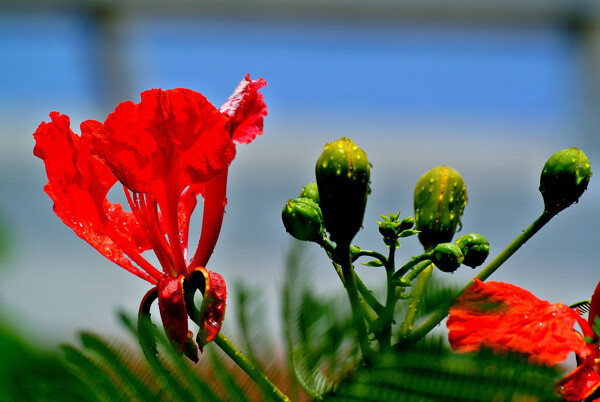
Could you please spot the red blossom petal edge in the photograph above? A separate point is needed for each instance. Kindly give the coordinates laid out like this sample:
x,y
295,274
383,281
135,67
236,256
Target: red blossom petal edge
x,y
78,184
170,140
506,318
245,109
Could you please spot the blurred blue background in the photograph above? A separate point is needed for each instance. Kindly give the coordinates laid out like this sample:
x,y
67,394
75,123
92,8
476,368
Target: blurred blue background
x,y
492,90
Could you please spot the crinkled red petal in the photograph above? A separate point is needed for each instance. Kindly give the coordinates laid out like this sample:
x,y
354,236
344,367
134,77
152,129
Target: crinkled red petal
x,y
212,310
579,383
78,183
246,109
170,139
171,303
505,317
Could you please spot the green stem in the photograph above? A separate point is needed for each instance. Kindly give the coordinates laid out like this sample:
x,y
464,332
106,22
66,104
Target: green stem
x,y
250,368
367,295
369,253
352,290
437,317
415,303
409,265
387,316
368,301
372,304
417,270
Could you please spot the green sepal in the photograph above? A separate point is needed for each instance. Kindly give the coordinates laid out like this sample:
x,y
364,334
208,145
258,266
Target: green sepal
x,y
402,282
145,328
596,326
408,232
373,263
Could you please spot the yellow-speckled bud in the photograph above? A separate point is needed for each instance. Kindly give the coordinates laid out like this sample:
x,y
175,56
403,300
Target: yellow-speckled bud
x,y
440,199
302,219
343,174
564,178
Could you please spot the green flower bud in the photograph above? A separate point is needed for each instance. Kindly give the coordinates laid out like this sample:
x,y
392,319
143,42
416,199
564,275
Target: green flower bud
x,y
310,191
447,257
303,219
475,247
440,199
343,173
407,223
564,178
389,229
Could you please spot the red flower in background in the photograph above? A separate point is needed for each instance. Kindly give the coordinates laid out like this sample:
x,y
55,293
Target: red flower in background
x,y
505,317
165,151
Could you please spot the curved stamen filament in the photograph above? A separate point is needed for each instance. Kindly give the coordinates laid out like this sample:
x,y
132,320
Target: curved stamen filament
x,y
171,219
149,222
135,256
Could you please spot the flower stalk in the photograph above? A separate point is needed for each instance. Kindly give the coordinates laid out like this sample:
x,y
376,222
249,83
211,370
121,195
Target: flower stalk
x,y
250,368
355,304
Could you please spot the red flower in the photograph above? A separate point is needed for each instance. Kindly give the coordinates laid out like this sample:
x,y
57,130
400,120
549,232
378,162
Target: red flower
x,y
165,151
505,317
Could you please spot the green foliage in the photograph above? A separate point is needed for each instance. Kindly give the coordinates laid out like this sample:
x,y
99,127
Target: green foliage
x,y
29,374
430,372
320,337
113,371
438,294
326,362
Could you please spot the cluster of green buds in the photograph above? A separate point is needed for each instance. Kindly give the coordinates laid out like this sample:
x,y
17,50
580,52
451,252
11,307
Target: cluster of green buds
x,y
475,248
343,173
471,250
439,201
391,228
337,201
564,178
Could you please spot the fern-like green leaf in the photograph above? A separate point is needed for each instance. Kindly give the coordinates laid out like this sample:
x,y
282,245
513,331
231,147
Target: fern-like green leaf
x,y
179,381
319,334
430,372
93,373
120,363
229,385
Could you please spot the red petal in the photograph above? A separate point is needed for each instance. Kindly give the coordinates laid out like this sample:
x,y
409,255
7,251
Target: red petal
x,y
171,304
171,138
78,184
214,200
507,318
212,310
246,109
579,383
